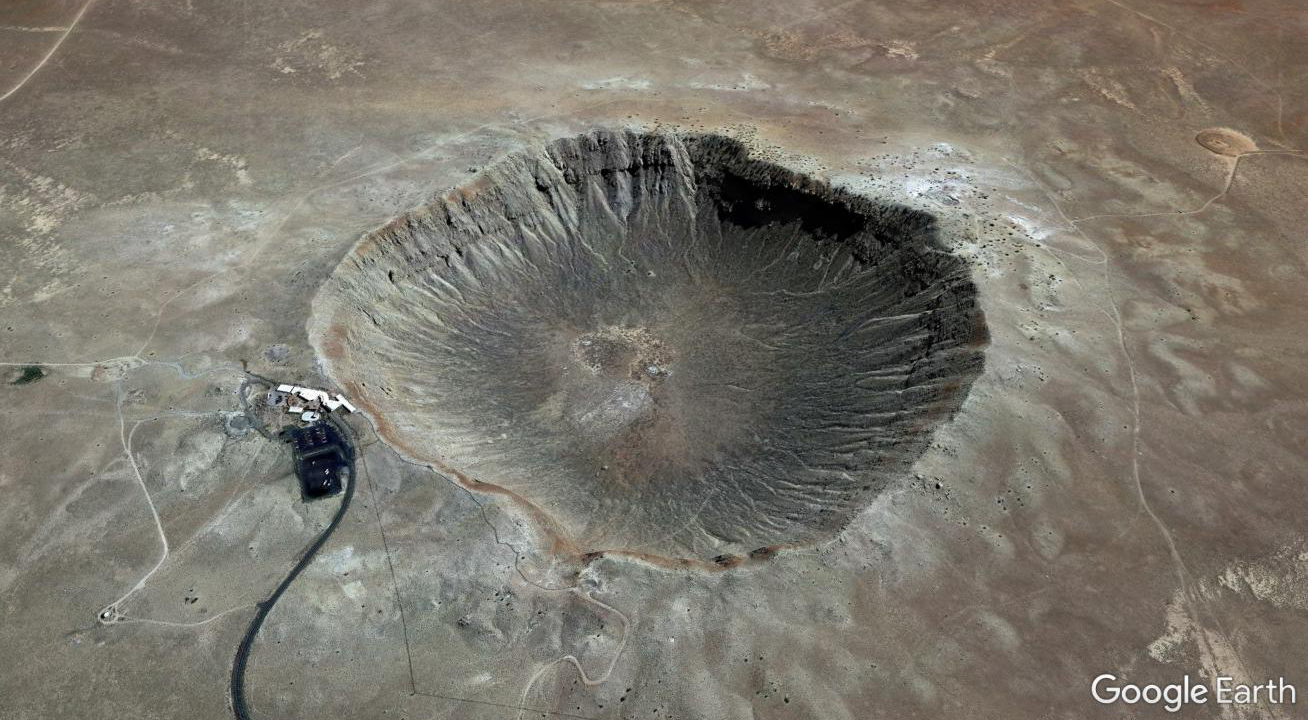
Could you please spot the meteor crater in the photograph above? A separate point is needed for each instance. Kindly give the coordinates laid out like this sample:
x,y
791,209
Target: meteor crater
x,y
657,343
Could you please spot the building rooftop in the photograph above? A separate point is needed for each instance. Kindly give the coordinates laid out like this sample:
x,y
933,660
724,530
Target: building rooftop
x,y
321,457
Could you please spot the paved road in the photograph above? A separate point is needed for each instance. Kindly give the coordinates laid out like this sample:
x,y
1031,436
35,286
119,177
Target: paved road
x,y
240,707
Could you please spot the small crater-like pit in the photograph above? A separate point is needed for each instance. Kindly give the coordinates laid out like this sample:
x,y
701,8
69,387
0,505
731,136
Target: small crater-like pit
x,y
1225,141
656,343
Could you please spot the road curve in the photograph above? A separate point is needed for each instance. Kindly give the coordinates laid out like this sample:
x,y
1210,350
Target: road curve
x,y
240,707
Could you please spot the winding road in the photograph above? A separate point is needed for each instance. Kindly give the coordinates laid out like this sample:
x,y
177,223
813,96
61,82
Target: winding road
x,y
240,706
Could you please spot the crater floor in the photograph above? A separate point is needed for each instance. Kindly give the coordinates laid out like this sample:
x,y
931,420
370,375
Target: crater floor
x,y
661,345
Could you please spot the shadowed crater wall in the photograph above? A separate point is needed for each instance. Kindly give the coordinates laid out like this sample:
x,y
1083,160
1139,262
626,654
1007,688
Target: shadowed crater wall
x,y
656,343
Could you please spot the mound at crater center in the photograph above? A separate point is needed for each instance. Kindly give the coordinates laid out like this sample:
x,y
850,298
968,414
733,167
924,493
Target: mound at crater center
x,y
658,343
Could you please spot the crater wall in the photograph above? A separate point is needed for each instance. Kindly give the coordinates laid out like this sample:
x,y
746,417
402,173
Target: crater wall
x,y
656,343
